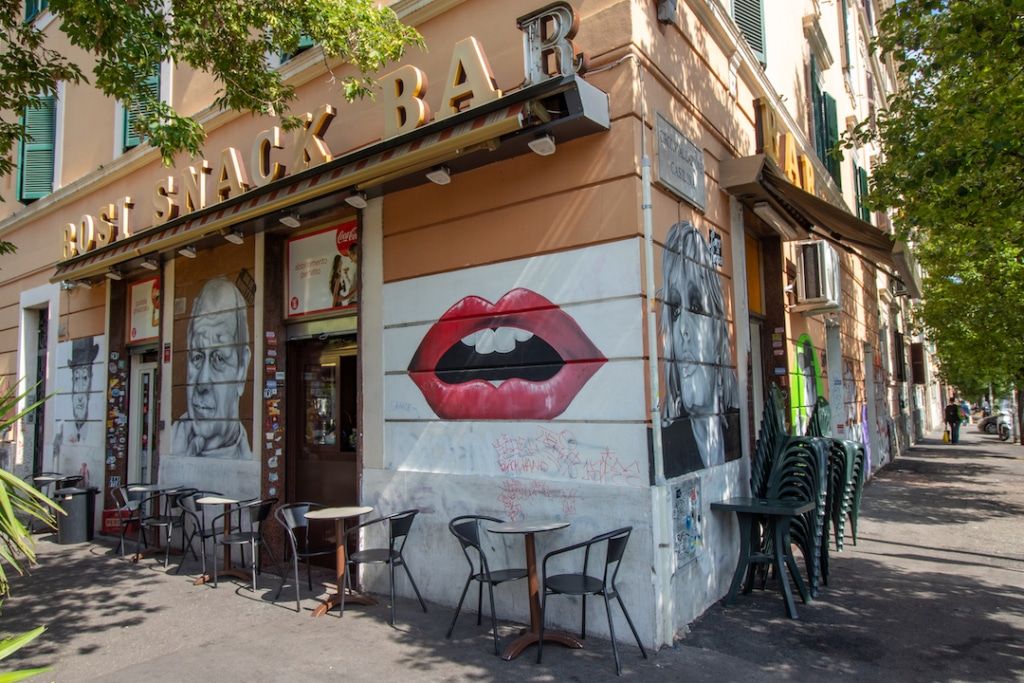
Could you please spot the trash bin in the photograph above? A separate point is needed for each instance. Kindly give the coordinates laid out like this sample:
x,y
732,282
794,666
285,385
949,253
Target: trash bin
x,y
80,505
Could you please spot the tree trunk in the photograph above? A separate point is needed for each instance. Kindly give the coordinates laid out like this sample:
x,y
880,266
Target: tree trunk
x,y
1018,413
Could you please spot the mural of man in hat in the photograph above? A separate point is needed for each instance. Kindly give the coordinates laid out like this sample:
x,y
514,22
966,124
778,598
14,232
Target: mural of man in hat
x,y
73,430
217,364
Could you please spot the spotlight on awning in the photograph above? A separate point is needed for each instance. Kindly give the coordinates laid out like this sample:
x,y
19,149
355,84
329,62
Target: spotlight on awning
x,y
440,175
188,251
357,199
114,274
234,237
150,264
543,146
291,219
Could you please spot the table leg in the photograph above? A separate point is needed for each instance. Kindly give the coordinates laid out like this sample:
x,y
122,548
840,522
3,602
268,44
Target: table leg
x,y
531,637
743,564
779,537
342,560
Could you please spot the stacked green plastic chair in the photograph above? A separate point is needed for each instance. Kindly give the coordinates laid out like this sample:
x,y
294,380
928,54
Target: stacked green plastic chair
x,y
770,438
846,481
859,476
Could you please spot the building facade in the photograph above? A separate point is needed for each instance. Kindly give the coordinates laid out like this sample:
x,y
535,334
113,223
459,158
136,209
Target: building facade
x,y
550,271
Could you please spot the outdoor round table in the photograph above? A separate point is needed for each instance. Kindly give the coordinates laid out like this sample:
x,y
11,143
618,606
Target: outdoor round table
x,y
339,515
532,636
228,569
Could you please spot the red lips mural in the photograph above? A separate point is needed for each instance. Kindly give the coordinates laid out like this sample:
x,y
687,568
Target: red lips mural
x,y
520,358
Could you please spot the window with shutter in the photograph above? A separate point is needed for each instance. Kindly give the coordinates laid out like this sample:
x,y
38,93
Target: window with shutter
x,y
833,158
35,156
132,113
818,113
34,7
305,42
862,194
844,27
749,18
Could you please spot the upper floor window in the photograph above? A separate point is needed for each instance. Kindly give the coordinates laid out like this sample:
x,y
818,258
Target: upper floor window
x,y
131,136
860,178
305,42
34,8
36,150
826,125
749,18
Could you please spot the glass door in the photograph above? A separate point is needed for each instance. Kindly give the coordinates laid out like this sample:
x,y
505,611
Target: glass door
x,y
142,421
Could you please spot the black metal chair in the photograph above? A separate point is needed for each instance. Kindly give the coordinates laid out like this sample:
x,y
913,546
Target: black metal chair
x,y
398,526
254,513
466,528
128,511
583,584
200,531
164,519
293,518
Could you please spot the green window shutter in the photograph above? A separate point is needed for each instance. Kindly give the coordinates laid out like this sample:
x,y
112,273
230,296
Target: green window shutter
x,y
749,18
33,8
862,194
305,42
35,167
844,19
832,162
818,113
136,110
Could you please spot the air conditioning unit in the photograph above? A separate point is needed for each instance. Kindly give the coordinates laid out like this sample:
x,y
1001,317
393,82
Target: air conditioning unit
x,y
818,287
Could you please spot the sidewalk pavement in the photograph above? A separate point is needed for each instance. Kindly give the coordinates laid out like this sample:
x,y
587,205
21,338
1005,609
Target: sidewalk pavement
x,y
932,592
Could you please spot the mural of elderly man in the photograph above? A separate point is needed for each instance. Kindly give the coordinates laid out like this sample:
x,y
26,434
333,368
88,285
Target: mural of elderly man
x,y
218,358
700,410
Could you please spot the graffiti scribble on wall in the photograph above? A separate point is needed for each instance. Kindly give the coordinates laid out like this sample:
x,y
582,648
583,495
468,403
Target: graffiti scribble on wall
x,y
517,492
520,358
217,365
557,452
700,411
80,413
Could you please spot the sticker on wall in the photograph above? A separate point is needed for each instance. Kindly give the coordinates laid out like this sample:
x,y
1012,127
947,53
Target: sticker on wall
x,y
715,247
687,520
700,411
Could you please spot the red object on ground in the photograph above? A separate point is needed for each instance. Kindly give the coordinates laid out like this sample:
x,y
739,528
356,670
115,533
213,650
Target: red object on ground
x,y
112,523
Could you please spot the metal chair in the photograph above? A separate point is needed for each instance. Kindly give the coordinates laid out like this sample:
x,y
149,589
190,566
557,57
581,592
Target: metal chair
x,y
255,512
466,528
293,518
197,515
128,512
164,519
398,531
583,584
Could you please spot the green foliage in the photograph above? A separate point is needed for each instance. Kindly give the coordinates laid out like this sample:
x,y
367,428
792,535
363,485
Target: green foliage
x,y
9,646
230,40
953,170
19,501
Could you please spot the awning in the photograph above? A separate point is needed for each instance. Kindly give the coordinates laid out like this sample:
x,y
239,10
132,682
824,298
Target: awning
x,y
568,106
756,180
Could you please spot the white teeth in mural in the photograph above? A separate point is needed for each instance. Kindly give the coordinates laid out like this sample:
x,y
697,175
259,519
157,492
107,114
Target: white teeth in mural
x,y
496,382
501,340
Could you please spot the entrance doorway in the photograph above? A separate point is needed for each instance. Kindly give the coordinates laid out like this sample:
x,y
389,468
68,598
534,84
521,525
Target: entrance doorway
x,y
38,416
323,421
142,418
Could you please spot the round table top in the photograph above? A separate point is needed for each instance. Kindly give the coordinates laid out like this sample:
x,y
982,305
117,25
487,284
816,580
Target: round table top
x,y
152,488
48,478
339,512
215,500
529,526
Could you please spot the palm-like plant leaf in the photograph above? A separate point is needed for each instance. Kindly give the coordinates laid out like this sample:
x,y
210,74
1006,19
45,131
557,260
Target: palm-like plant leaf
x,y
10,645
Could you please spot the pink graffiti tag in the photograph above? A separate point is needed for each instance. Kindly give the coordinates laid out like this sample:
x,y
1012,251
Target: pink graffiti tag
x,y
514,493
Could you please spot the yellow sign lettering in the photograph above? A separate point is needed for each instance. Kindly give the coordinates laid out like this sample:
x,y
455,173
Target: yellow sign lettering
x,y
402,95
470,79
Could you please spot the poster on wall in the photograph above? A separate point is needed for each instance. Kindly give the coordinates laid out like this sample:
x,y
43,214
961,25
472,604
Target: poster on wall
x,y
323,270
212,385
700,409
687,520
144,310
79,407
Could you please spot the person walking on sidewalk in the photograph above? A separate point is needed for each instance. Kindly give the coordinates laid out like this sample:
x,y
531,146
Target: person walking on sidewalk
x,y
953,418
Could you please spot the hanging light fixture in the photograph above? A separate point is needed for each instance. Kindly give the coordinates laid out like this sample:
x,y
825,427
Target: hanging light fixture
x,y
234,236
150,264
440,175
188,251
291,219
357,199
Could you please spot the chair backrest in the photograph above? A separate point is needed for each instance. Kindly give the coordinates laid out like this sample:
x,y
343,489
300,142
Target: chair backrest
x,y
770,438
466,528
122,501
820,423
259,511
174,500
617,541
399,525
196,512
292,517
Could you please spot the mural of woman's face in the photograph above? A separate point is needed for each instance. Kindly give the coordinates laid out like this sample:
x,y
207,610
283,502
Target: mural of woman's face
x,y
694,340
